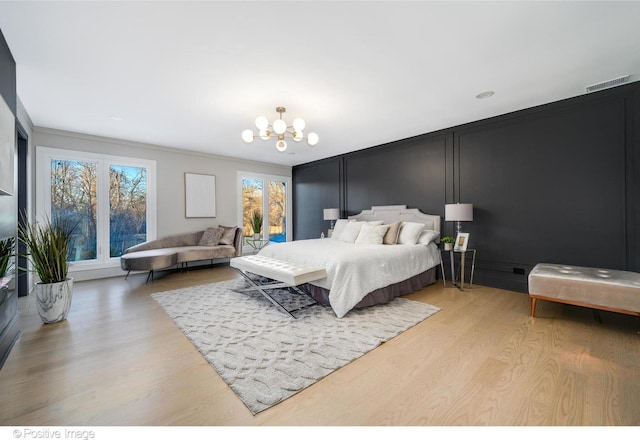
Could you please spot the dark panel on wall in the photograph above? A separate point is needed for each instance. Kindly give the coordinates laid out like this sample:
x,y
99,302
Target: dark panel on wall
x,y
410,172
633,182
315,187
548,187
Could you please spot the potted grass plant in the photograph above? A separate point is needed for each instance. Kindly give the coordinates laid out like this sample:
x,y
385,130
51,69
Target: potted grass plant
x,y
448,243
47,244
256,224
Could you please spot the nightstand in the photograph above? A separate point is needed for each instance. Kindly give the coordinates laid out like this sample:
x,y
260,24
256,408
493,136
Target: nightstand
x,y
257,243
462,267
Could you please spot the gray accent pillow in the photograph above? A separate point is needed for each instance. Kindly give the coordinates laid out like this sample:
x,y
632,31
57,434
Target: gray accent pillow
x,y
229,234
211,237
391,237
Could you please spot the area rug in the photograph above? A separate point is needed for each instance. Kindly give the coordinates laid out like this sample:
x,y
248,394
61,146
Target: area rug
x,y
266,356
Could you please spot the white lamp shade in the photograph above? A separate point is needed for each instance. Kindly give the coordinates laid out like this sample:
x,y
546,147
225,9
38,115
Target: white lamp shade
x,y
331,213
279,126
313,139
261,122
460,212
247,136
298,136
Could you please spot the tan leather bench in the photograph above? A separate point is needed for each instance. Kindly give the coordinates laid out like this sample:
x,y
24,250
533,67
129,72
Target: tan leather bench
x,y
603,289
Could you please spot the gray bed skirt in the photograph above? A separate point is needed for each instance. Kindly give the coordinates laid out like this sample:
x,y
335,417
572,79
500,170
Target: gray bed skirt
x,y
379,296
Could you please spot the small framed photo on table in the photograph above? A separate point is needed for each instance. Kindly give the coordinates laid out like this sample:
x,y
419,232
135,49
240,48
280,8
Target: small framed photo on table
x,y
461,242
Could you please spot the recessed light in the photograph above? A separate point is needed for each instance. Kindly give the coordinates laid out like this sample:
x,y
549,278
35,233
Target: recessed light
x,y
486,94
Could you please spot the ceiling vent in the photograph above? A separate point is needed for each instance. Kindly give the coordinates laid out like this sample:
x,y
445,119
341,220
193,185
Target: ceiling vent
x,y
606,84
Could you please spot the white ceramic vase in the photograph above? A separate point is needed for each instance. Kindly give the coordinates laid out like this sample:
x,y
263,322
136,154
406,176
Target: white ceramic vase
x,y
448,246
54,300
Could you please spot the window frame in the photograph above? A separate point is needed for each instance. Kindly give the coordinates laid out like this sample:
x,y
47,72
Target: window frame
x,y
44,156
265,200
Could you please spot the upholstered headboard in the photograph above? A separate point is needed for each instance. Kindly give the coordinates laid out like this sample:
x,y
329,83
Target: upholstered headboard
x,y
394,213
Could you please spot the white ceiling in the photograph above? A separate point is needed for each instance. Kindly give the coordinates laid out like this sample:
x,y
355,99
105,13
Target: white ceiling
x,y
194,75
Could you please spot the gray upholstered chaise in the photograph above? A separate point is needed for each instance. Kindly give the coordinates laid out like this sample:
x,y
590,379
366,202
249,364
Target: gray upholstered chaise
x,y
181,249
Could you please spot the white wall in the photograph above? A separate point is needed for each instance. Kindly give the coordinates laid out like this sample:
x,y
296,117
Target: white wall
x,y
171,166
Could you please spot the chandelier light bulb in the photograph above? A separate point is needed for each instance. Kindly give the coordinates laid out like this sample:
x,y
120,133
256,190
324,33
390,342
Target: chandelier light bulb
x,y
264,134
262,123
279,126
247,136
313,139
298,135
281,145
298,124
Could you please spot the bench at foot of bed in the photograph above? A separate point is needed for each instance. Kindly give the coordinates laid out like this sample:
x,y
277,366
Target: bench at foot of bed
x,y
603,289
289,275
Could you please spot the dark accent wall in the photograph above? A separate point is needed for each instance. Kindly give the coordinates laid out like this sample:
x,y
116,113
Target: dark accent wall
x,y
556,183
410,172
319,187
9,325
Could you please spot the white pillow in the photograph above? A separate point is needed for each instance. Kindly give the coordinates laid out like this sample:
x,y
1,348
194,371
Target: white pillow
x,y
410,232
371,234
428,236
338,227
376,222
351,231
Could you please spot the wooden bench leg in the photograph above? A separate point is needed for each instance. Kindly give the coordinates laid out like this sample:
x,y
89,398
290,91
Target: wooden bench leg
x,y
533,306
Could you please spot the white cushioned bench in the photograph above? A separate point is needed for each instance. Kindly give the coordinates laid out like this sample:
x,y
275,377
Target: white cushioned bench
x,y
603,289
289,275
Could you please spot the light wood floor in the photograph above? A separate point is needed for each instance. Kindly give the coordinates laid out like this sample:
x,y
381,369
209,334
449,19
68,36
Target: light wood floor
x,y
119,360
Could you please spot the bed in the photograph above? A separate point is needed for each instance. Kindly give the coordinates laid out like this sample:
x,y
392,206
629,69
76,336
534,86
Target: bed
x,y
360,273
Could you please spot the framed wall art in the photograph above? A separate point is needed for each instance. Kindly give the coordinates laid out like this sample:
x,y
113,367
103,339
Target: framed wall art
x,y
199,195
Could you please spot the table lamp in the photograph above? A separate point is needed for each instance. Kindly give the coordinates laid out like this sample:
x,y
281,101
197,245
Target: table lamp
x,y
332,214
458,212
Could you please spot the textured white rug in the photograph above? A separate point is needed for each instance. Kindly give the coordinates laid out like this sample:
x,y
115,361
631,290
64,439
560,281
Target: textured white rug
x,y
264,355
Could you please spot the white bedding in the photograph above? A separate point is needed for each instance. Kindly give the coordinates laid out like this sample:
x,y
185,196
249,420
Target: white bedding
x,y
354,270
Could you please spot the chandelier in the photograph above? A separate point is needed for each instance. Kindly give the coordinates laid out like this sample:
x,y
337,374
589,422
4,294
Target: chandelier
x,y
280,130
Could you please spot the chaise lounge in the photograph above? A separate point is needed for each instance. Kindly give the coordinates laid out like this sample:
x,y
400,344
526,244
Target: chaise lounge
x,y
218,244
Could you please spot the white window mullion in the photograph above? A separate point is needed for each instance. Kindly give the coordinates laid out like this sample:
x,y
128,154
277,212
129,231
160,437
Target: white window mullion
x,y
265,208
102,211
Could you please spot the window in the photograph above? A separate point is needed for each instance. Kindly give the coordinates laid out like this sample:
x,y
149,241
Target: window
x,y
266,194
110,199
